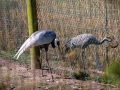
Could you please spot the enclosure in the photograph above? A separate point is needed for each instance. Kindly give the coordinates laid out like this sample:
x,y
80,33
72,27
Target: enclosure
x,y
68,18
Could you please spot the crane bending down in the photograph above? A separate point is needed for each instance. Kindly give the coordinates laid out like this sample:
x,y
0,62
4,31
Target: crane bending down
x,y
41,38
82,41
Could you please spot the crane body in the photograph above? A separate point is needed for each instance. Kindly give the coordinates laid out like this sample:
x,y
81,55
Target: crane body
x,y
41,38
82,41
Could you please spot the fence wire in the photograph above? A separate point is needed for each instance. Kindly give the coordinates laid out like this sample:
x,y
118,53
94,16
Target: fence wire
x,y
68,18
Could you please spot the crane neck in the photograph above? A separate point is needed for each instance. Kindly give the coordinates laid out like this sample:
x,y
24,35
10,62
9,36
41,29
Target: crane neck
x,y
102,41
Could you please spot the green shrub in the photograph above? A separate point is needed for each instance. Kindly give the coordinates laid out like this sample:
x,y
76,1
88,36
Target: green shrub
x,y
112,73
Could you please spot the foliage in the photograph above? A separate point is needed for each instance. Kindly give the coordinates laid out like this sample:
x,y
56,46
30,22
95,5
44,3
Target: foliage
x,y
60,86
24,58
3,86
77,74
112,74
97,79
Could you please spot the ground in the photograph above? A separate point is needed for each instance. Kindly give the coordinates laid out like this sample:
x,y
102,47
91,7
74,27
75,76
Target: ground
x,y
15,76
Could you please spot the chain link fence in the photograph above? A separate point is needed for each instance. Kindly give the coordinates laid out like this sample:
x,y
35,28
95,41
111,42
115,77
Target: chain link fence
x,y
13,26
68,18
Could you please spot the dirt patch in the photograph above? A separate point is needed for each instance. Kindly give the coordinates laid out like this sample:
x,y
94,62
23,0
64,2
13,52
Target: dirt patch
x,y
15,76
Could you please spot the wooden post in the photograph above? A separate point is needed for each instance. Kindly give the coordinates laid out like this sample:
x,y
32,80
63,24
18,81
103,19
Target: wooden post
x,y
33,26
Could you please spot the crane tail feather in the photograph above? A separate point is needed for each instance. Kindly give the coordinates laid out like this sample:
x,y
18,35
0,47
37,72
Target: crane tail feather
x,y
26,45
18,55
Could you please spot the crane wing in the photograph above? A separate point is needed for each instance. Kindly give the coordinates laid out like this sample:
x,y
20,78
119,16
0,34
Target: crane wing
x,y
40,37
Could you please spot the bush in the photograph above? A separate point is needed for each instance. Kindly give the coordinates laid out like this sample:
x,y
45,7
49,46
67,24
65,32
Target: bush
x,y
112,73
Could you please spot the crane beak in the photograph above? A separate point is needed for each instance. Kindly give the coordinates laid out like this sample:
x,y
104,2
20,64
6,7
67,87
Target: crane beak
x,y
59,49
58,44
67,50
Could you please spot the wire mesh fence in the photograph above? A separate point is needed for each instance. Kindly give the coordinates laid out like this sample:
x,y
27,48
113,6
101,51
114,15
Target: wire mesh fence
x,y
68,18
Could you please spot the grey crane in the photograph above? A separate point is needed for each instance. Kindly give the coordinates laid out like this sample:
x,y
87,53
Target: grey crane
x,y
82,41
41,38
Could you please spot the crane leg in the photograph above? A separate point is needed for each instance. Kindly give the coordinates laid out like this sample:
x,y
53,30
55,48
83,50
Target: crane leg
x,y
41,63
83,58
49,66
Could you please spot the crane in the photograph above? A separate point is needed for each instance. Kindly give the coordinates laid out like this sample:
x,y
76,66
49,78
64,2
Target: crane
x,y
41,38
82,41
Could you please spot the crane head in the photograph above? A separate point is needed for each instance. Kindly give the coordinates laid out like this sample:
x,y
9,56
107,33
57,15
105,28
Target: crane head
x,y
57,44
67,49
108,39
68,46
114,41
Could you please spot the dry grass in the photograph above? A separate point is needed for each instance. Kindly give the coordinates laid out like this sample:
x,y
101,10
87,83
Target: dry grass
x,y
19,77
69,24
